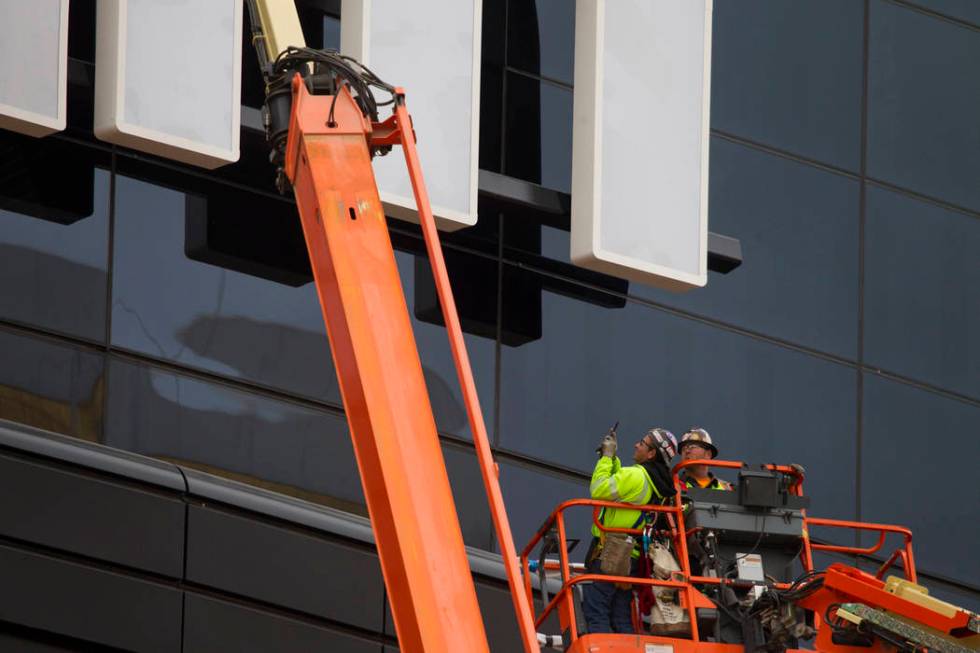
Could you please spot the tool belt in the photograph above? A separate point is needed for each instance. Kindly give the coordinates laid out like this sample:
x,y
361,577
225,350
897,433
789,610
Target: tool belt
x,y
616,554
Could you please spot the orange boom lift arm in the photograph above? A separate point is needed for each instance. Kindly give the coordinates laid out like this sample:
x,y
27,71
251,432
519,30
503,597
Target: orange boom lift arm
x,y
322,123
420,545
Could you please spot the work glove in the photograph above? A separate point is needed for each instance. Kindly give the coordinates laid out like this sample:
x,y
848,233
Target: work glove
x,y
608,446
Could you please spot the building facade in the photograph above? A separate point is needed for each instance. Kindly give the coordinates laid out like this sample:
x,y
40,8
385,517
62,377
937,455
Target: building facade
x,y
166,311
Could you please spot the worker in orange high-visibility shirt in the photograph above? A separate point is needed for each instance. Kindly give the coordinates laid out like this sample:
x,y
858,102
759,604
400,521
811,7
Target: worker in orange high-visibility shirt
x,y
696,444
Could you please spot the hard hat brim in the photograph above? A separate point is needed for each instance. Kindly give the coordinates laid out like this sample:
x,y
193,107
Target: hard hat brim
x,y
701,443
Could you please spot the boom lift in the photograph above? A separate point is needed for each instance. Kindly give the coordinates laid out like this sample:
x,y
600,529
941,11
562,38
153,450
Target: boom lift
x,y
322,122
742,598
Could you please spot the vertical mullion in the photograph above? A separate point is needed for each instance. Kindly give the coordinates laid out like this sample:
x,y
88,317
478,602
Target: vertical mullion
x,y
111,255
862,221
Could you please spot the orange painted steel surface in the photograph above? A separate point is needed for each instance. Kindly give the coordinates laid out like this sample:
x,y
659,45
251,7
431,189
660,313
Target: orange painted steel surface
x,y
842,583
488,468
423,559
904,553
638,643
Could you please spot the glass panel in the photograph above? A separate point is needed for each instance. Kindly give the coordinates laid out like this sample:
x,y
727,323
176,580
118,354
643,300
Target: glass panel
x,y
191,313
538,135
541,38
923,102
789,74
81,30
277,445
491,85
798,226
54,216
645,367
491,103
492,41
917,470
331,33
967,10
171,307
51,386
531,494
469,496
953,594
922,310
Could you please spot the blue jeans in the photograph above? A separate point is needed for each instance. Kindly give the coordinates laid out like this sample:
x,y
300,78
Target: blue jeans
x,y
606,607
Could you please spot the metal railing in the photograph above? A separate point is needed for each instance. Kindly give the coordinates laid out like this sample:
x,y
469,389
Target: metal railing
x,y
554,527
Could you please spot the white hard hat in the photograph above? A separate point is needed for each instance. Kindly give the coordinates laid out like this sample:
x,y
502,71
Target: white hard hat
x,y
700,437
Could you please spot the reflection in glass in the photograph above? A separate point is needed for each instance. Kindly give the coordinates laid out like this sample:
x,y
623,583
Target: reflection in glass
x,y
81,30
469,496
491,85
277,445
532,494
51,386
917,444
538,137
54,219
541,38
909,143
788,74
798,226
331,33
967,10
170,307
953,594
922,303
234,324
645,367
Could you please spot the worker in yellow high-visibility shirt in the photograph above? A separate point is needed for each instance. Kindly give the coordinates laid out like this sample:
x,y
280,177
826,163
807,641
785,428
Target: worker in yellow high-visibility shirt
x,y
607,606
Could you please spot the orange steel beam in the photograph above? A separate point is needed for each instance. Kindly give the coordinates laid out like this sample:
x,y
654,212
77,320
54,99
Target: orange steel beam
x,y
488,468
420,545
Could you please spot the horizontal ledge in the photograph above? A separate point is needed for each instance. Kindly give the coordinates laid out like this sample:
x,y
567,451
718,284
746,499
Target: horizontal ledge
x,y
553,207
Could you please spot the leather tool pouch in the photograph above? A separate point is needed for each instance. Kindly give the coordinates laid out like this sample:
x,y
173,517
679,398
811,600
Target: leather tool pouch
x,y
614,559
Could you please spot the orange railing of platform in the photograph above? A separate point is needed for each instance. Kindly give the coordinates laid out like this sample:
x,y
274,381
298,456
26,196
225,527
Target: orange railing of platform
x,y
555,524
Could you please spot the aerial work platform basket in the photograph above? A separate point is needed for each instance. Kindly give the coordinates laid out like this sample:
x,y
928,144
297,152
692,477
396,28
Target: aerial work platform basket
x,y
841,608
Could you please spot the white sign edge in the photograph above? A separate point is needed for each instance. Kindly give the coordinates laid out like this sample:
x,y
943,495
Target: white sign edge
x,y
355,41
110,76
587,156
39,124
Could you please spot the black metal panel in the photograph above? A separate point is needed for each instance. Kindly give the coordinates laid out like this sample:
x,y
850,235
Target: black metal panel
x,y
93,517
280,507
247,232
213,625
46,179
30,640
284,567
92,456
500,620
89,604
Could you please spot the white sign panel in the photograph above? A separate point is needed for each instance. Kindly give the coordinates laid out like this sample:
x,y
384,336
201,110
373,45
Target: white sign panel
x,y
431,48
33,65
168,77
640,140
